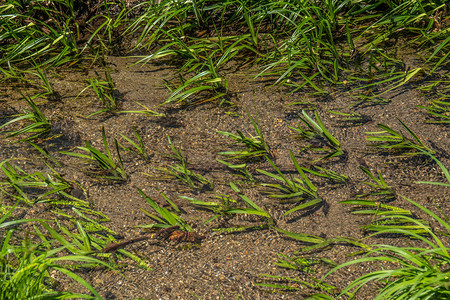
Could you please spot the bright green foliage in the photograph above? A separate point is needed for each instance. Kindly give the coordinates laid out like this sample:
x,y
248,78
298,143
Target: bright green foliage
x,y
318,47
23,183
145,111
380,191
40,126
219,209
439,104
106,163
26,267
252,207
317,131
241,169
105,90
304,265
140,148
164,217
422,272
375,202
328,174
228,207
45,83
181,171
305,44
292,189
106,34
389,139
255,146
440,109
31,37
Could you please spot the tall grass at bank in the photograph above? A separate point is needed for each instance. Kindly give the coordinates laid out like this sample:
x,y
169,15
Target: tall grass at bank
x,y
36,31
302,44
306,45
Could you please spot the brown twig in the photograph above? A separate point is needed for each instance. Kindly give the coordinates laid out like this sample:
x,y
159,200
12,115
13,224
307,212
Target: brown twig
x,y
163,234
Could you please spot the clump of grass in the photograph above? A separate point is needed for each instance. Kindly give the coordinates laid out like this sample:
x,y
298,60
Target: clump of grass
x,y
251,209
181,171
292,189
218,208
90,219
164,217
106,34
43,185
380,190
204,81
229,207
139,146
45,84
39,128
304,265
200,79
37,31
421,271
256,146
316,131
325,173
438,108
374,203
109,167
53,189
352,118
241,169
389,139
396,80
304,262
106,92
145,111
26,267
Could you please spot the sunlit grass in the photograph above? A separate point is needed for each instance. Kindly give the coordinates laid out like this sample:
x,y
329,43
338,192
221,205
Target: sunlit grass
x,y
318,47
27,267
108,167
39,125
422,270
